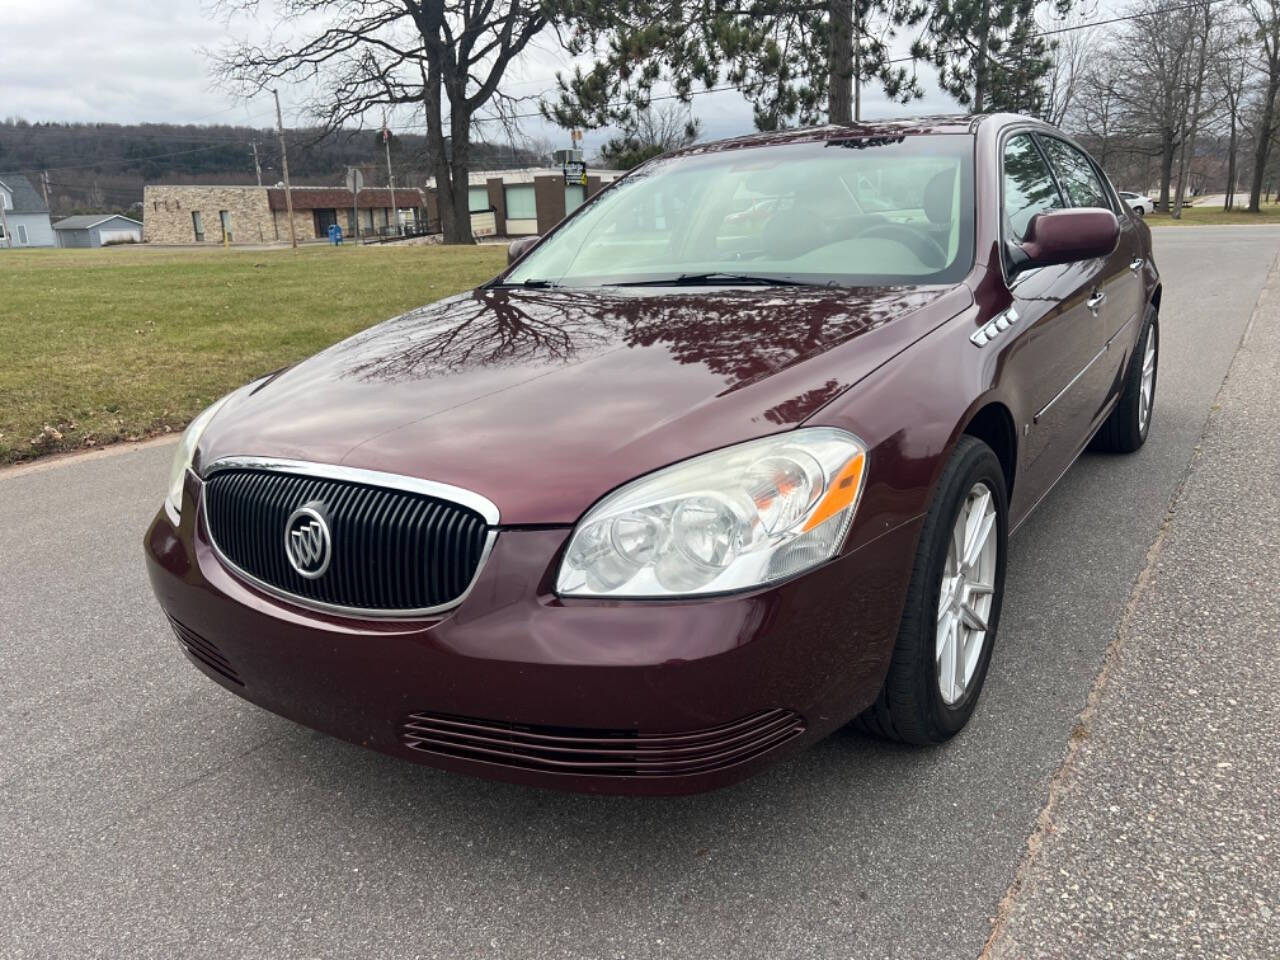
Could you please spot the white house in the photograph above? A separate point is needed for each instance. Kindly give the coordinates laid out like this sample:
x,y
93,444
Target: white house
x,y
97,230
25,213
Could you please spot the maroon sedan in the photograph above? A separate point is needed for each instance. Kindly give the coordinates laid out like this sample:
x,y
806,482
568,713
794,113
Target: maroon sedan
x,y
669,500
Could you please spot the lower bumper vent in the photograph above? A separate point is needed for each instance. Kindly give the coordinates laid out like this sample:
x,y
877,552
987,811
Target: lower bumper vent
x,y
621,753
205,652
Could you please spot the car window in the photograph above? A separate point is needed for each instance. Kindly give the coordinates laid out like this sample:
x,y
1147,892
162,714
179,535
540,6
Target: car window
x,y
858,211
1029,188
1076,174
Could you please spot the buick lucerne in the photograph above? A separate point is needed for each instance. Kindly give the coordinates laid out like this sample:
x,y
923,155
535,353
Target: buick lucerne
x,y
726,460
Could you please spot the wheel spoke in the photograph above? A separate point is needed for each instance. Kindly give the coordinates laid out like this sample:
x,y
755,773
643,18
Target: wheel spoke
x,y
947,594
947,641
958,646
972,619
978,589
982,531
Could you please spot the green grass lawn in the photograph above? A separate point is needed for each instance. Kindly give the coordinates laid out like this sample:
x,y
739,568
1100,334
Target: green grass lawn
x,y
1200,216
124,343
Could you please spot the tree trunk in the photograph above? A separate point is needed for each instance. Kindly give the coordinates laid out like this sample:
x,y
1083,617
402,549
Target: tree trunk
x,y
460,196
840,61
1189,143
437,154
980,64
1166,168
1230,199
1261,154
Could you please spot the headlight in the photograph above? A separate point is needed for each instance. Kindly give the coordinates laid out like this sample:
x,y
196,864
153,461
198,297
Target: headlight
x,y
186,451
737,518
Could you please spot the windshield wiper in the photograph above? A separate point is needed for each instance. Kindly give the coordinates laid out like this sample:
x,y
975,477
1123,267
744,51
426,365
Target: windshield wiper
x,y
531,284
713,278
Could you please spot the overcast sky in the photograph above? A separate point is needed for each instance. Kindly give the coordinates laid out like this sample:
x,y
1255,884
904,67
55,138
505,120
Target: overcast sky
x,y
126,61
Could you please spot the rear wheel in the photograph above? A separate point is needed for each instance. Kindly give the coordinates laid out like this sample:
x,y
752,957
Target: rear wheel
x,y
1126,429
953,605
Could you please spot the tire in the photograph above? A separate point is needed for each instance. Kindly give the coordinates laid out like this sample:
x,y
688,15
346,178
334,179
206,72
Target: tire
x,y
1126,429
912,706
1140,211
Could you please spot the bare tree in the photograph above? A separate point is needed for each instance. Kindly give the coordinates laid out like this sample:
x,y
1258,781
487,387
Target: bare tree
x,y
1202,39
1153,79
1265,15
1071,54
449,56
1096,108
1232,74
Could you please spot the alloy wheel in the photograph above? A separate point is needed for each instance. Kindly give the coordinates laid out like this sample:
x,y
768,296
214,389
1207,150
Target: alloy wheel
x,y
1147,394
966,593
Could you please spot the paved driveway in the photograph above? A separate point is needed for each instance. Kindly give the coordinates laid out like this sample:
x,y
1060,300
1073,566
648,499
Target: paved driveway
x,y
145,812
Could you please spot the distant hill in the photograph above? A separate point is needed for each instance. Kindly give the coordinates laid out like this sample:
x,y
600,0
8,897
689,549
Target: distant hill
x,y
93,167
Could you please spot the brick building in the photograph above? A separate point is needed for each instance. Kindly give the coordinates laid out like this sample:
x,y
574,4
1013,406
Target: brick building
x,y
252,214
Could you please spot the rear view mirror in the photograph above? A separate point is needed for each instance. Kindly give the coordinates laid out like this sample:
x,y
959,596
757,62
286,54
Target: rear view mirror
x,y
519,248
1066,236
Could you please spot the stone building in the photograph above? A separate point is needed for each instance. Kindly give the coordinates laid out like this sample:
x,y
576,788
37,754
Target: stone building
x,y
252,214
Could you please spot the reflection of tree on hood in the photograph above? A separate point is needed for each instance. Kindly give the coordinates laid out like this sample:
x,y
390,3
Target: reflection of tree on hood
x,y
740,335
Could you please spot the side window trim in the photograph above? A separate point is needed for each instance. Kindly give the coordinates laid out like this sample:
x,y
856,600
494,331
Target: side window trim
x,y
1005,238
1117,205
1063,193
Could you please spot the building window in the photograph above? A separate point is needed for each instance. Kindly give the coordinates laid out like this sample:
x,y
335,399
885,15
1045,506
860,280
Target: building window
x,y
521,202
199,227
224,217
22,233
477,199
574,194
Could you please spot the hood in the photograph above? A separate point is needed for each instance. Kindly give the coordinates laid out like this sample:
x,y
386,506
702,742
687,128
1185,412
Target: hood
x,y
543,400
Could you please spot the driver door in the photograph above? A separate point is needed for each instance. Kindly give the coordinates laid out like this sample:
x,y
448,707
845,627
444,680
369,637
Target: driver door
x,y
1058,336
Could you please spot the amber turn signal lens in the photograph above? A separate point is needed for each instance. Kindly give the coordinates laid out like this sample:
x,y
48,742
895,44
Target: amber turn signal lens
x,y
842,494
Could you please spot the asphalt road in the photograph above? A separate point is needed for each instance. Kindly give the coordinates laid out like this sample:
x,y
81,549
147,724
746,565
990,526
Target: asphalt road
x,y
145,812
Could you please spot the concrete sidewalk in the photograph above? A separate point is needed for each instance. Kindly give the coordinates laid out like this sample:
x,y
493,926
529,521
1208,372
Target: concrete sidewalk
x,y
1161,837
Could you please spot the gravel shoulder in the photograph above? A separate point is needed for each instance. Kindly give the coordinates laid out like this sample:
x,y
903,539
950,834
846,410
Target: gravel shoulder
x,y
1162,834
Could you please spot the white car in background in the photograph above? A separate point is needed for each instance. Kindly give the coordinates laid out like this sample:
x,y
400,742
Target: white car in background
x,y
1137,202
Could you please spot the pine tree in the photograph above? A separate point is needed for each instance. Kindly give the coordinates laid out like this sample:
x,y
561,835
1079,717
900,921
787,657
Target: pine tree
x,y
796,62
988,53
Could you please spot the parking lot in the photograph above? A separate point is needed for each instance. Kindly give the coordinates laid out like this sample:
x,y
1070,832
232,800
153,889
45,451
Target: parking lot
x,y
149,813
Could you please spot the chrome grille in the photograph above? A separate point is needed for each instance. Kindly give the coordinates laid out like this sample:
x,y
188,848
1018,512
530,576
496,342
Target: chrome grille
x,y
394,551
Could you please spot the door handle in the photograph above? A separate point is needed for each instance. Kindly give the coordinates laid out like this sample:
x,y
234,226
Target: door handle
x,y
1136,264
1094,302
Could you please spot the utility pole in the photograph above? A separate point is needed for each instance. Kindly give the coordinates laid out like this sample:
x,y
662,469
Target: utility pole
x,y
257,167
284,167
391,180
44,185
4,223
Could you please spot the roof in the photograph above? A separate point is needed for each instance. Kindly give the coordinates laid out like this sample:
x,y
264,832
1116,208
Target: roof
x,y
87,221
907,126
326,198
478,178
25,197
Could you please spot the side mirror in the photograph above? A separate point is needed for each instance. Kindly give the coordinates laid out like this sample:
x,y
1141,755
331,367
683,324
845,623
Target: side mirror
x,y
519,248
1066,236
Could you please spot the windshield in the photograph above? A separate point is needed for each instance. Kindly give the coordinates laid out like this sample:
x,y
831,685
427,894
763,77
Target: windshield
x,y
864,211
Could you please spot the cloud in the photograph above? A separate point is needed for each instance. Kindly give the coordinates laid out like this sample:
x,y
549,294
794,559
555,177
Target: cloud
x,y
129,61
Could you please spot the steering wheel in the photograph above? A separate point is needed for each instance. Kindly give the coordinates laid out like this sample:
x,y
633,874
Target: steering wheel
x,y
929,251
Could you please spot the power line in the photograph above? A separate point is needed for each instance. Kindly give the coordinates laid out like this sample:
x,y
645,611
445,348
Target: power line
x,y
1043,33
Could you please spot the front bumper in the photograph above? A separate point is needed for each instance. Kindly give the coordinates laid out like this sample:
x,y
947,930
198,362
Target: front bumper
x,y
661,676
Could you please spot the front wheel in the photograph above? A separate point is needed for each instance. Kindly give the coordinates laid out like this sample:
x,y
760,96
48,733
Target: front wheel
x,y
953,603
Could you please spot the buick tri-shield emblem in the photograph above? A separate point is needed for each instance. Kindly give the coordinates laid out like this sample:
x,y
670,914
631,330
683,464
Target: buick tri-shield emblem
x,y
306,540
